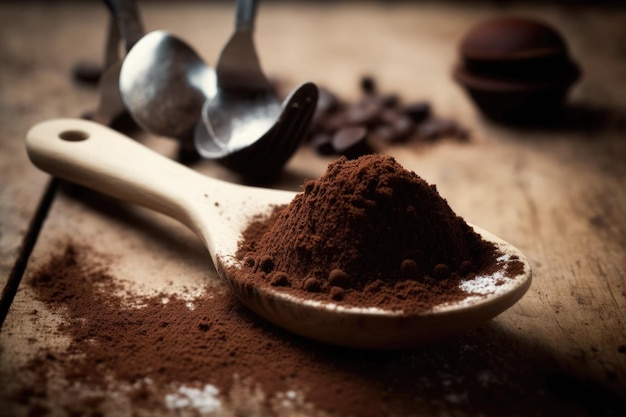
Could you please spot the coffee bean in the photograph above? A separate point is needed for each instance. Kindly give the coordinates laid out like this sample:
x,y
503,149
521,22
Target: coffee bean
x,y
399,126
403,128
350,142
366,113
368,85
322,143
383,133
388,100
335,121
326,101
418,112
436,128
378,117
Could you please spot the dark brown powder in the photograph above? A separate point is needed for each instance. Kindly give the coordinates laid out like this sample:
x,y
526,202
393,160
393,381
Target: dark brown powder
x,y
367,233
166,340
153,344
123,344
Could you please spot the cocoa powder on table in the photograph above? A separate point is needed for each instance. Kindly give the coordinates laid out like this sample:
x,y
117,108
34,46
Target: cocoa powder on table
x,y
151,346
174,354
367,233
168,352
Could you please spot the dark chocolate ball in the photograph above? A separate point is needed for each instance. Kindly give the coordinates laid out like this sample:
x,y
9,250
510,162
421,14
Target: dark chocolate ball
x,y
512,38
516,68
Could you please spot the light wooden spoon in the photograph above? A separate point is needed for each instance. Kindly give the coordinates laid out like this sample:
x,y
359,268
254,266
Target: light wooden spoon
x,y
98,157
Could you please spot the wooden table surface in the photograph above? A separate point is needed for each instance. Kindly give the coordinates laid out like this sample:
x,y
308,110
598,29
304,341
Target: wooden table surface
x,y
558,194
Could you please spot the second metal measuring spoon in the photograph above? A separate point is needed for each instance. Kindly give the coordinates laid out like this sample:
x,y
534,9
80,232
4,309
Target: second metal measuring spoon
x,y
264,158
124,25
246,127
245,105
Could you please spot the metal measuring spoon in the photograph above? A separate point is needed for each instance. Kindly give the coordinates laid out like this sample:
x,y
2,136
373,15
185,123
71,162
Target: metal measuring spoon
x,y
88,153
265,157
125,26
245,105
164,84
245,126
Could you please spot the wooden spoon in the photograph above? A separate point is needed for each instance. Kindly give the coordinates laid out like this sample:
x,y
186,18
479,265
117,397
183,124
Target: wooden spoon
x,y
98,157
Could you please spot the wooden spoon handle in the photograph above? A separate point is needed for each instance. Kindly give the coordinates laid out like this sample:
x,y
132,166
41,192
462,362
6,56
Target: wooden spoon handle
x,y
100,158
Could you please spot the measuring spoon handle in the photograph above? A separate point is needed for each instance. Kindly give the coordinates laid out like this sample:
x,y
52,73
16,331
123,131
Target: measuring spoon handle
x,y
245,13
129,24
98,157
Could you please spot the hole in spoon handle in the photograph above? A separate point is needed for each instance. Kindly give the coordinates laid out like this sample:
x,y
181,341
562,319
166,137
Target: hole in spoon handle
x,y
97,157
74,135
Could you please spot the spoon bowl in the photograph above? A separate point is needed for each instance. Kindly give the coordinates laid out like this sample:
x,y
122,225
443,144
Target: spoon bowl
x,y
164,84
245,105
264,156
100,158
244,125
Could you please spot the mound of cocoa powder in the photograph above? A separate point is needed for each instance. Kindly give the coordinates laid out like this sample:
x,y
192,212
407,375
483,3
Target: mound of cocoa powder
x,y
366,233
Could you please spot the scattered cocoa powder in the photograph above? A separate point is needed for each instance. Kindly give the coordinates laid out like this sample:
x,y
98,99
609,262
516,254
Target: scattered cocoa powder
x,y
161,349
368,233
166,342
170,340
